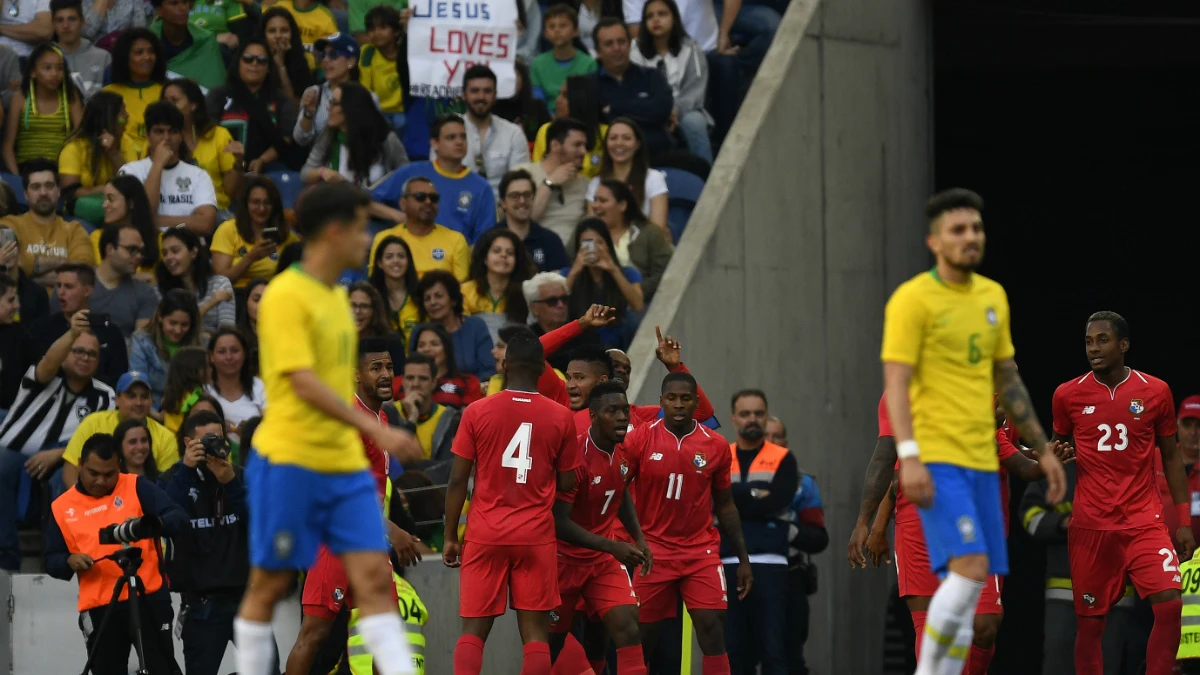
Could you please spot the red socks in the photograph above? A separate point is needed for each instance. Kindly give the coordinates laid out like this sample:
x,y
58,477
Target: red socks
x,y
1164,638
918,619
571,659
537,659
468,655
629,662
1089,657
599,666
715,665
980,660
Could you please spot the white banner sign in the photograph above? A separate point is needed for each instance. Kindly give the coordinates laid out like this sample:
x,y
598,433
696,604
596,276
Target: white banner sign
x,y
446,37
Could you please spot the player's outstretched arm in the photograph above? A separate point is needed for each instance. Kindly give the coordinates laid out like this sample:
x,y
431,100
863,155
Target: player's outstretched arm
x,y
629,519
730,524
456,496
570,532
1018,408
1172,462
880,472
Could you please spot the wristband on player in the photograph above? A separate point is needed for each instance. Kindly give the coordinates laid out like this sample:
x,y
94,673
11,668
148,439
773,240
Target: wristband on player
x,y
906,449
1184,511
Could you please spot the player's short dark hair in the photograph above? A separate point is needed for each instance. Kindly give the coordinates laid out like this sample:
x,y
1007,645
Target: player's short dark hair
x,y
325,203
514,175
680,376
161,112
419,359
949,200
524,350
57,6
743,393
104,446
86,274
435,129
371,345
595,355
562,127
1118,323
603,389
506,333
479,72
38,165
561,9
607,22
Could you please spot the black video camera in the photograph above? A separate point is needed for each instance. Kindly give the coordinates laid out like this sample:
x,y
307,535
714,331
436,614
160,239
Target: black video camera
x,y
135,529
215,445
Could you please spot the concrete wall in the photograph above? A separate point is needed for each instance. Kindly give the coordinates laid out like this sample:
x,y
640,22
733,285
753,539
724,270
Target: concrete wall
x,y
812,215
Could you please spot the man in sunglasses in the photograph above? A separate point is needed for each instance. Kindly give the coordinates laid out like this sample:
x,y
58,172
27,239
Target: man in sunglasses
x,y
547,296
434,247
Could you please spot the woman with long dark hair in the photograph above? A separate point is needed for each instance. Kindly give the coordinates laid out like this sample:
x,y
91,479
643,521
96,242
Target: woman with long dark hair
x,y
294,64
210,145
395,277
254,110
176,324
499,265
247,246
43,112
638,242
370,319
125,203
137,449
596,278
185,265
579,99
523,109
362,157
454,387
627,159
139,71
234,385
247,321
92,154
663,44
187,376
442,303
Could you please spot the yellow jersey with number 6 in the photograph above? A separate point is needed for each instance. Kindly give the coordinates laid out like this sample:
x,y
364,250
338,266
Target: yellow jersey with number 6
x,y
305,324
952,335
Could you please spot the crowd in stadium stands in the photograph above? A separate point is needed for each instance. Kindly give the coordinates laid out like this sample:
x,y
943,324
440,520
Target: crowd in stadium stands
x,y
152,156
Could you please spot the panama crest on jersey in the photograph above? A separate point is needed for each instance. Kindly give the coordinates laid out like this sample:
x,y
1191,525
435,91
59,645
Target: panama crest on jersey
x,y
1137,407
700,460
624,468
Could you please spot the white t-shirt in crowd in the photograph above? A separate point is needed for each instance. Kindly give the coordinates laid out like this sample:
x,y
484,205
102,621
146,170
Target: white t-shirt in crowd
x,y
244,408
656,184
182,189
26,10
699,19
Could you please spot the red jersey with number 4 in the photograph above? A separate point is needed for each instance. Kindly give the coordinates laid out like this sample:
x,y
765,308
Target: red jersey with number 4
x,y
1116,432
673,481
599,488
519,442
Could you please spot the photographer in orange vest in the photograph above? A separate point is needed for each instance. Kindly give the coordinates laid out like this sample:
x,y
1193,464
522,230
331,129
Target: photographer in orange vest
x,y
105,496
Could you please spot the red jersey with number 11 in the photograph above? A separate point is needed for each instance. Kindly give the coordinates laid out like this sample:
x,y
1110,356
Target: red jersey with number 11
x,y
1116,432
599,488
673,481
519,442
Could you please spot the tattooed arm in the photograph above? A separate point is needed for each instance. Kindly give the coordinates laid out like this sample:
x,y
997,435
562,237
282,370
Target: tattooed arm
x,y
1019,410
880,472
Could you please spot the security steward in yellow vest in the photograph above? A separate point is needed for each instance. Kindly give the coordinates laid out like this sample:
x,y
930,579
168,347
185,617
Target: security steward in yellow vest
x,y
765,477
105,496
1189,640
1048,525
413,611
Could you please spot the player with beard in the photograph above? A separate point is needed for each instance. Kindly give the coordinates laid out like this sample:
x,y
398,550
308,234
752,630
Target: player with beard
x,y
326,590
1116,417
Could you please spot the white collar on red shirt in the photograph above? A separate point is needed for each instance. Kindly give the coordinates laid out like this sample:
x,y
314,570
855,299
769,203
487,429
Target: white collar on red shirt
x,y
588,442
1112,391
379,415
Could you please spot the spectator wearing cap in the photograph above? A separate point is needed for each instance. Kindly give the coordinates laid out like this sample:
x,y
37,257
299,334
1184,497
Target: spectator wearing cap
x,y
133,402
545,248
494,145
73,289
191,52
339,61
1189,448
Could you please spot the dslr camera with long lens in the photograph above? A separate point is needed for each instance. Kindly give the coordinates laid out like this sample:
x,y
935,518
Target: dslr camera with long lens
x,y
134,529
215,445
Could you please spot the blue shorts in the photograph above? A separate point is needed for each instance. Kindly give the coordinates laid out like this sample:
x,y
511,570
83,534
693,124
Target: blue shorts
x,y
293,509
965,518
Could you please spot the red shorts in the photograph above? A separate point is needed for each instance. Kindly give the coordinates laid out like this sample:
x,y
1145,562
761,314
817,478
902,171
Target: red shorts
x,y
915,574
326,588
701,581
1101,559
593,588
524,576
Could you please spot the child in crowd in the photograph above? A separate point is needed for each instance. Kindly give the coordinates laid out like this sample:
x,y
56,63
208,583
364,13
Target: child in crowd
x,y
377,65
550,70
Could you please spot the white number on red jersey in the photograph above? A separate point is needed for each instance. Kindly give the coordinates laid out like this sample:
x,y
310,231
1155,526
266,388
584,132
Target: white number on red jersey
x,y
516,455
608,495
1122,438
1168,560
674,485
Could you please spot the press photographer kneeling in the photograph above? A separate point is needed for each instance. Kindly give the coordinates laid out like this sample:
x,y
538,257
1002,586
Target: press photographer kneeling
x,y
210,565
81,539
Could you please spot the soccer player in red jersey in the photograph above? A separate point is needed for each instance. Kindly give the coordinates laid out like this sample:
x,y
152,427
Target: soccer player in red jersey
x,y
680,473
591,564
526,448
326,589
1115,416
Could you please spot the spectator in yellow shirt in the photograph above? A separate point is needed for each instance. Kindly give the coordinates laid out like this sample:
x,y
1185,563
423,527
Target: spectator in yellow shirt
x,y
395,278
211,146
433,246
377,64
314,19
45,239
139,71
499,265
247,246
94,152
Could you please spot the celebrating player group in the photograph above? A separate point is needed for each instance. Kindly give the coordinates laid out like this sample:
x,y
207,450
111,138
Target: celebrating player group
x,y
948,357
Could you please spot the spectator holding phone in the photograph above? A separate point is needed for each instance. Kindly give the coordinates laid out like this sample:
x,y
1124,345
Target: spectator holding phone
x,y
32,295
56,241
185,264
247,246
73,289
597,278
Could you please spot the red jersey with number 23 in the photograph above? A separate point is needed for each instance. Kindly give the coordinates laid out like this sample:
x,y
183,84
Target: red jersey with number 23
x,y
599,488
1116,432
519,442
673,480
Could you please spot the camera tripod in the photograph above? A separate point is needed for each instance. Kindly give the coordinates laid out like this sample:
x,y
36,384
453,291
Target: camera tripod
x,y
129,559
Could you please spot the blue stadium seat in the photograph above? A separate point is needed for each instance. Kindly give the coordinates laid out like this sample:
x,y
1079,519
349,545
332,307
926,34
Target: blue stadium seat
x,y
684,191
289,186
18,187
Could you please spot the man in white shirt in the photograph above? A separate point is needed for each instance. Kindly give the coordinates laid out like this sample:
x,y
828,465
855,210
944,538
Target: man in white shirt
x,y
184,192
494,145
24,24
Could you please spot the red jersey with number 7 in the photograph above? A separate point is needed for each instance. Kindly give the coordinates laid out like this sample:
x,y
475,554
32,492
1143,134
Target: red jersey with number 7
x,y
519,442
1116,431
673,480
599,489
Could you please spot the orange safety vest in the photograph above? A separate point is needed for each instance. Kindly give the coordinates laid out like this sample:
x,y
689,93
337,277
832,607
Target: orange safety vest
x,y
81,517
764,466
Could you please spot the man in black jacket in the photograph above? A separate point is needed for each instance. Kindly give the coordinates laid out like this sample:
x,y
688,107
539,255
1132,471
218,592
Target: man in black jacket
x,y
629,90
211,560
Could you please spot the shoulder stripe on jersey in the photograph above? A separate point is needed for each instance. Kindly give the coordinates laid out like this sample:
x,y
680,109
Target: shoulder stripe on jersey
x,y
655,423
1080,381
703,429
1140,376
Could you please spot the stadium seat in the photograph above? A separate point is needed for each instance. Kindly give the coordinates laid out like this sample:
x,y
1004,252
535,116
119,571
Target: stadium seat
x,y
684,191
17,185
289,186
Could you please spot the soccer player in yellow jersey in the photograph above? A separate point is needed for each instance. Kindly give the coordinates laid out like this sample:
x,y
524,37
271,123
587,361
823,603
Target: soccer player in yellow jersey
x,y
308,474
946,349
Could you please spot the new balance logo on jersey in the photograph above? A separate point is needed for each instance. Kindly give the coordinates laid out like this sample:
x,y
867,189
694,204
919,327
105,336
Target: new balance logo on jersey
x,y
656,456
596,480
1089,409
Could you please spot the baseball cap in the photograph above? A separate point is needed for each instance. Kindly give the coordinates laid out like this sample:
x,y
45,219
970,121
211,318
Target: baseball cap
x,y
1190,408
131,378
341,43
